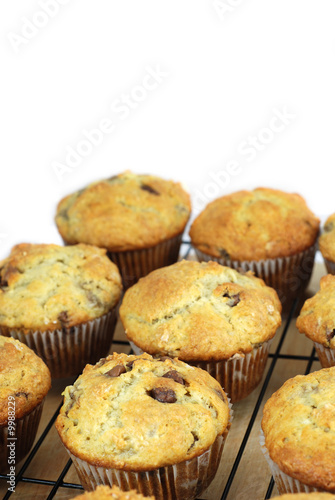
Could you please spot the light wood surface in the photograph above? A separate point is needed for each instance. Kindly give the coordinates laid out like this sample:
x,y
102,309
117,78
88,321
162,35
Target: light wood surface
x,y
252,476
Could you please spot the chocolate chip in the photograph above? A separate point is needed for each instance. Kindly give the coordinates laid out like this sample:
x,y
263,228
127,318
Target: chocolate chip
x,y
150,189
195,439
63,318
223,252
330,334
18,394
163,358
219,394
116,371
94,299
329,227
164,395
130,364
175,376
234,299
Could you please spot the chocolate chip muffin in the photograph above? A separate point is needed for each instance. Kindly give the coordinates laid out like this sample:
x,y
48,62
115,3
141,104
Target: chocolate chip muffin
x,y
132,416
139,219
268,231
24,382
61,302
205,314
106,493
299,433
317,320
327,244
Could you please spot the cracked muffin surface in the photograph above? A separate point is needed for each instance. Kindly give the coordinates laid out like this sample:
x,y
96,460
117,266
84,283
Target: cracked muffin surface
x,y
140,413
200,311
23,376
299,428
114,493
254,225
126,212
317,316
46,287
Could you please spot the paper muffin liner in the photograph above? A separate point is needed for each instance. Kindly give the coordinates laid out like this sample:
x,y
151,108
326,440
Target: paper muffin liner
x,y
326,355
66,351
238,375
15,448
134,264
284,482
289,276
183,481
330,266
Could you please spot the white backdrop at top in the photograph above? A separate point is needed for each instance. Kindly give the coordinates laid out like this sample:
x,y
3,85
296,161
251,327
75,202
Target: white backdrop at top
x,y
221,95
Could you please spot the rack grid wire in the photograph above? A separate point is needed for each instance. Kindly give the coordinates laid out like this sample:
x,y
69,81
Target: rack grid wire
x,y
47,473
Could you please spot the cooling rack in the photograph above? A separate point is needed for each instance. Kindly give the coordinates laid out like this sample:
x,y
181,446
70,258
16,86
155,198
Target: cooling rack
x,y
243,474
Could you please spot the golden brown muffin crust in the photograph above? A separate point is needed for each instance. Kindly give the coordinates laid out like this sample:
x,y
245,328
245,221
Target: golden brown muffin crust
x,y
125,212
254,225
199,311
114,493
46,287
306,496
317,316
299,428
138,413
24,376
327,239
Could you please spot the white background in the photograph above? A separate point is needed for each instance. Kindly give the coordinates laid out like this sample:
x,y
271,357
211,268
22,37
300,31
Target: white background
x,y
228,70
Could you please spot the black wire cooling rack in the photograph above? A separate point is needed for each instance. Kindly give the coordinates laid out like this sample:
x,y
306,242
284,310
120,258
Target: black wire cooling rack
x,y
233,467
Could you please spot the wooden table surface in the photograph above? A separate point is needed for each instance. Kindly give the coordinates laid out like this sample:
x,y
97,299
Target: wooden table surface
x,y
243,473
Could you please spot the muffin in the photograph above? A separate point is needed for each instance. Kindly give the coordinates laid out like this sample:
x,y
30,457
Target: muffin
x,y
327,244
299,433
107,493
317,320
61,302
207,315
267,231
306,496
24,383
139,219
157,425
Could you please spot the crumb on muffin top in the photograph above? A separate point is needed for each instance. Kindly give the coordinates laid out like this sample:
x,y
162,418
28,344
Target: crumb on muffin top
x,y
114,493
200,311
24,378
46,287
125,212
140,413
317,316
299,428
254,225
327,239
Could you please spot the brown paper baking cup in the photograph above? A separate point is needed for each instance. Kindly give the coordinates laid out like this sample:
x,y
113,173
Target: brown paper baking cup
x,y
14,450
183,481
134,264
289,276
238,375
66,351
326,355
284,482
330,266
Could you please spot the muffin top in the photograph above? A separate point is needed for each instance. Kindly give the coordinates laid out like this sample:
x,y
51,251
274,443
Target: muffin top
x,y
306,496
199,311
125,212
327,239
299,428
254,225
114,493
317,316
24,378
46,287
140,413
